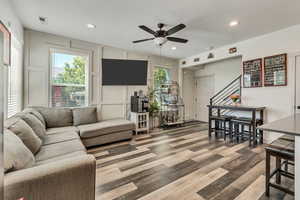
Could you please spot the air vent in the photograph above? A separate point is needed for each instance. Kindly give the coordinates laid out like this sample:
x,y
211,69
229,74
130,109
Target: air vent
x,y
196,59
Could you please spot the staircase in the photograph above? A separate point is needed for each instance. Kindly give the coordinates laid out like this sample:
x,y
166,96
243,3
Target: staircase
x,y
223,96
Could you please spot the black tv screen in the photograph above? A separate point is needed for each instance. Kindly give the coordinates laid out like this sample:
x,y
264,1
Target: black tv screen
x,y
124,72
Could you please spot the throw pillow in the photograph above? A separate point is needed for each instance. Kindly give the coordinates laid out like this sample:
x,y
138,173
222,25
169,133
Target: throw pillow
x,y
56,117
16,154
85,115
36,114
26,134
36,125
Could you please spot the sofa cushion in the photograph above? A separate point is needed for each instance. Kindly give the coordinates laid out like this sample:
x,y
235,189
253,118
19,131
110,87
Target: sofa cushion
x,y
35,113
56,117
58,149
84,115
59,137
105,127
62,130
57,158
37,126
25,133
16,154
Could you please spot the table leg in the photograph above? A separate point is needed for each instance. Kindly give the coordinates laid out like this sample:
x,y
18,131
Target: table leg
x,y
209,122
261,131
254,128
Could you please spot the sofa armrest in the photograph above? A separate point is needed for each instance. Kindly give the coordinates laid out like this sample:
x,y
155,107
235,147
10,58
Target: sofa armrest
x,y
67,179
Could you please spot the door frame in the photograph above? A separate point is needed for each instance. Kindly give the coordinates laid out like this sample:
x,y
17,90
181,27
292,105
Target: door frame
x,y
196,93
293,64
295,57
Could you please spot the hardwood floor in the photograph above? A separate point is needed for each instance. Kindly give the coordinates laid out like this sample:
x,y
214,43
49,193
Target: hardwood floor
x,y
181,164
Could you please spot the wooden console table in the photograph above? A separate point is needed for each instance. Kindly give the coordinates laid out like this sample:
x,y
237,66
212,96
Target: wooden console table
x,y
251,109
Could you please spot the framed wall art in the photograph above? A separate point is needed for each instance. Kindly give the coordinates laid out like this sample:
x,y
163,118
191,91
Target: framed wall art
x,y
275,70
6,44
252,73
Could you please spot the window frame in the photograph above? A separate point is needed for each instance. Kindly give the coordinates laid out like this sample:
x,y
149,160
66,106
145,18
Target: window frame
x,y
163,67
88,73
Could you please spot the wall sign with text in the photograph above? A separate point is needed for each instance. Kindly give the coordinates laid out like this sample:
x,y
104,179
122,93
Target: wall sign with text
x,y
252,73
275,70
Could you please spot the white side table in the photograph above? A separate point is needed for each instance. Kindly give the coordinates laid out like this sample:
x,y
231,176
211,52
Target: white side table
x,y
141,121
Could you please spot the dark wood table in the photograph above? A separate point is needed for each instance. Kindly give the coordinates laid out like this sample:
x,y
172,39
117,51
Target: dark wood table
x,y
252,109
290,126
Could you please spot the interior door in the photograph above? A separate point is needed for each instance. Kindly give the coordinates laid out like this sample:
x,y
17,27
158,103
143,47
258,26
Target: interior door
x,y
297,74
205,89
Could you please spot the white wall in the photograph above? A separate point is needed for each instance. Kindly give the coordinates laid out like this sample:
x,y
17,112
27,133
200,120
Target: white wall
x,y
224,71
278,100
114,100
11,20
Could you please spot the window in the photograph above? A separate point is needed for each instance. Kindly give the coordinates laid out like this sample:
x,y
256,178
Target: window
x,y
69,79
161,75
14,80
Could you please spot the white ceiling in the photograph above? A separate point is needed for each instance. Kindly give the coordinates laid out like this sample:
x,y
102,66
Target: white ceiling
x,y
117,20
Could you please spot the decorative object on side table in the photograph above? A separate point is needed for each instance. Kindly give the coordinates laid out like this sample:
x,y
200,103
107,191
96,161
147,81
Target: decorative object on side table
x,y
6,43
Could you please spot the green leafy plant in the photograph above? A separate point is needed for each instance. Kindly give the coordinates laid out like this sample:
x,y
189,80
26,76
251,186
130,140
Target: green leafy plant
x,y
153,104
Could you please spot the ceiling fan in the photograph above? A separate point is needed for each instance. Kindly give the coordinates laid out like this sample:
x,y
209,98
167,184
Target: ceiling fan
x,y
162,36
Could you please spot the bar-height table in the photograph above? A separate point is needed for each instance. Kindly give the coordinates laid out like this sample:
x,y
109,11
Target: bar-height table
x,y
252,109
290,126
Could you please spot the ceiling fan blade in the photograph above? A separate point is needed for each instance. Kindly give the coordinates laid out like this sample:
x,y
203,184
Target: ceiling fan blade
x,y
175,29
137,41
174,39
145,28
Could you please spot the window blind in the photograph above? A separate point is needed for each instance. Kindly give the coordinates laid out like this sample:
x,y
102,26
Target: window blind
x,y
14,90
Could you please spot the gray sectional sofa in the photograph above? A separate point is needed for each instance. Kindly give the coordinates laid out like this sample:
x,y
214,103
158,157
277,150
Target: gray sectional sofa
x,y
45,153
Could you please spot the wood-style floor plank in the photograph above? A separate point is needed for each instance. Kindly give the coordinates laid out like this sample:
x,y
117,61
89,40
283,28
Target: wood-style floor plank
x,y
254,191
181,163
117,192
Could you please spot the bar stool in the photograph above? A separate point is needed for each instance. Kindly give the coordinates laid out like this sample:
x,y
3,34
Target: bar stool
x,y
223,125
239,126
281,149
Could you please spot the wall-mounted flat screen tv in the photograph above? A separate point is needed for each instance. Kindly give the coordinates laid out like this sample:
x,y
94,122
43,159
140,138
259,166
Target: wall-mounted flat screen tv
x,y
124,72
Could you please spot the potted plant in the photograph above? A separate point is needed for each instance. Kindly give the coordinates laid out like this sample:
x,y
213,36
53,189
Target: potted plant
x,y
153,106
235,98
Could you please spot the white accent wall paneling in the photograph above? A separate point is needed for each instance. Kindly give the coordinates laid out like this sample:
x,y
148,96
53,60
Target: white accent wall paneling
x,y
113,100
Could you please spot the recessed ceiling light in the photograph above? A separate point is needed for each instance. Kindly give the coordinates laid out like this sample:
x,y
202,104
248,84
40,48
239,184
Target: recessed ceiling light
x,y
234,23
173,48
91,25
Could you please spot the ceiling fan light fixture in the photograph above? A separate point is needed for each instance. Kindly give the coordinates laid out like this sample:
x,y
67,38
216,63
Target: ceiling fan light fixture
x,y
160,41
90,26
234,23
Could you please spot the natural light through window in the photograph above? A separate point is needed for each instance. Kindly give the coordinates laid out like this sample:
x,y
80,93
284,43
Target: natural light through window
x,y
69,85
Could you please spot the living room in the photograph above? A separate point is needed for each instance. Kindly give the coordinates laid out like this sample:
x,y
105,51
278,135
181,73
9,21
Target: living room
x,y
195,100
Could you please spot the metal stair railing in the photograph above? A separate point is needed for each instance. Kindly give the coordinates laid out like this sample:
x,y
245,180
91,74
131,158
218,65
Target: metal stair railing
x,y
223,96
